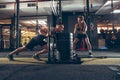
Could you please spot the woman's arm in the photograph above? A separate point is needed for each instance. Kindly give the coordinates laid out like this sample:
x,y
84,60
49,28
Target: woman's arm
x,y
75,28
85,27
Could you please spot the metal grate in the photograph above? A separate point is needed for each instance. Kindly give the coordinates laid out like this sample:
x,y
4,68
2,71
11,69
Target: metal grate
x,y
31,5
2,6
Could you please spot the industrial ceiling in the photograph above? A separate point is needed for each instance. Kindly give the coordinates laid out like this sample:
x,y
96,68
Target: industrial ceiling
x,y
28,7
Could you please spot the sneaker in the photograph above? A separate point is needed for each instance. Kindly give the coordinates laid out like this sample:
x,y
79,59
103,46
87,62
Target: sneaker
x,y
90,54
36,57
10,57
74,55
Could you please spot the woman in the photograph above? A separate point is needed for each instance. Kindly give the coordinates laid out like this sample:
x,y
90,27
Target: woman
x,y
80,31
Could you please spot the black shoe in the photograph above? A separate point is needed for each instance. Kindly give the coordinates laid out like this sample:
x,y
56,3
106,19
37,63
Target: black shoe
x,y
10,57
17,53
36,57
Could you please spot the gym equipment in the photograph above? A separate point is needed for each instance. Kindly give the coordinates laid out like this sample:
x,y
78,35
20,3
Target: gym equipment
x,y
63,40
63,48
63,45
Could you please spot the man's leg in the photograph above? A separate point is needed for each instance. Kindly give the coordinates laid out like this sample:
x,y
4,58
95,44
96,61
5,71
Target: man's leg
x,y
20,49
44,50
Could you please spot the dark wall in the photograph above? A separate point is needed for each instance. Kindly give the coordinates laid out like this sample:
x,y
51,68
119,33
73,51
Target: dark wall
x,y
65,22
69,19
93,33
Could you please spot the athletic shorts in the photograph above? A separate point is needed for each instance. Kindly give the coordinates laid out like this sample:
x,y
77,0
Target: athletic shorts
x,y
37,40
81,36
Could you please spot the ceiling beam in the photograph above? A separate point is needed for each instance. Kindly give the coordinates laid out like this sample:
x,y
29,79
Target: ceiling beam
x,y
104,1
23,1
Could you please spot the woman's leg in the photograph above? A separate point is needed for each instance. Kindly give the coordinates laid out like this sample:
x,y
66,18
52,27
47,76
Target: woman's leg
x,y
74,43
89,47
88,44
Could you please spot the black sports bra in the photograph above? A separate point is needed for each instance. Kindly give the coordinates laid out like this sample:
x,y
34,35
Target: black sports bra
x,y
80,28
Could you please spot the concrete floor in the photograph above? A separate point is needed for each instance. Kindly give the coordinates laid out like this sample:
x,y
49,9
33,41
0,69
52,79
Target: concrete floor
x,y
99,58
26,68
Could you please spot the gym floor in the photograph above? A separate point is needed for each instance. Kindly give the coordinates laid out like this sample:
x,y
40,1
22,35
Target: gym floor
x,y
26,68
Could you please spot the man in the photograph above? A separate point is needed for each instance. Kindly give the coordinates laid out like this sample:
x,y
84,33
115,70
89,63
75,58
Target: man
x,y
80,31
37,40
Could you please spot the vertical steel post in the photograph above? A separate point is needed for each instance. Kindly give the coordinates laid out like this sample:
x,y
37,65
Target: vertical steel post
x,y
88,17
113,26
36,17
59,18
12,33
60,9
1,38
17,25
49,51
